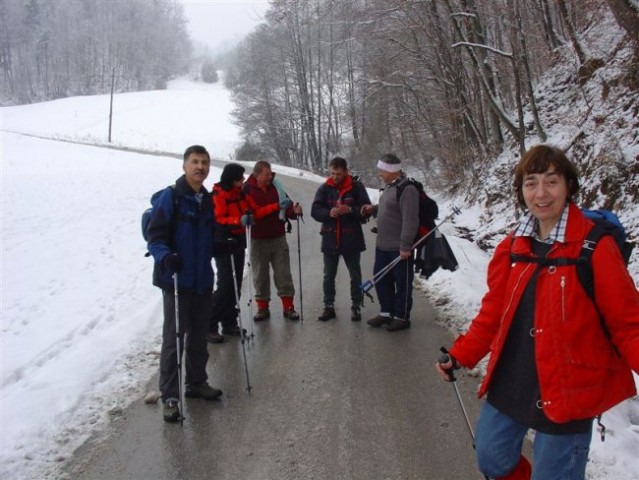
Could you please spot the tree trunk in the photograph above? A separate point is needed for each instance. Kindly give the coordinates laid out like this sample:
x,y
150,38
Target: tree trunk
x,y
627,16
549,25
563,11
523,57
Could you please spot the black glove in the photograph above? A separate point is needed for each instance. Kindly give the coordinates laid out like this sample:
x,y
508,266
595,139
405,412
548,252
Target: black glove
x,y
445,358
172,263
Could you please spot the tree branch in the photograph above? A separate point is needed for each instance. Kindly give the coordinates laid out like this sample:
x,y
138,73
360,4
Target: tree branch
x,y
485,47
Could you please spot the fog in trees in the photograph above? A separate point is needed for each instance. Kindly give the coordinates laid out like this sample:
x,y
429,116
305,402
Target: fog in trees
x,y
51,49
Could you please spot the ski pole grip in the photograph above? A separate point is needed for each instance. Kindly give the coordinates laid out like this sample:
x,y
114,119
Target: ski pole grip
x,y
445,358
366,286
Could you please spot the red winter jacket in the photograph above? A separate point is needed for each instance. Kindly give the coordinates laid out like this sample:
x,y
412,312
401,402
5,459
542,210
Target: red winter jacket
x,y
270,225
580,374
230,205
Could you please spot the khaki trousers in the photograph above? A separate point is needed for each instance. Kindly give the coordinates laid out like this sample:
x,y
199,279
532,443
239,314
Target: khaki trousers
x,y
271,252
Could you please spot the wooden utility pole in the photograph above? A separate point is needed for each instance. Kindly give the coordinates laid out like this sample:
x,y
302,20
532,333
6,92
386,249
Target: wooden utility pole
x,y
111,105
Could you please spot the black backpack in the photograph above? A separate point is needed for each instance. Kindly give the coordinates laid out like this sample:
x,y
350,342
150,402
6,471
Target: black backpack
x,y
606,223
428,209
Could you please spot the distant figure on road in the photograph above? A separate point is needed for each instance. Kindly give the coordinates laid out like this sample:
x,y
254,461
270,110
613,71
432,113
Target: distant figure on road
x,y
269,248
338,206
397,226
234,211
558,358
181,241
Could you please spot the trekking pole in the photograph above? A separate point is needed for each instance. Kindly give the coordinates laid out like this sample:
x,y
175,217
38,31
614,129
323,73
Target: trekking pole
x,y
369,284
178,350
445,358
239,316
250,283
299,263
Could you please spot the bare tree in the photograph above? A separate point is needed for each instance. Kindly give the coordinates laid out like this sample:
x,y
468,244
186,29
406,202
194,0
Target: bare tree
x,y
452,80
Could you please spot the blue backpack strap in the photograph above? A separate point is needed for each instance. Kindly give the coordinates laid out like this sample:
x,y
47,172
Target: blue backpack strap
x,y
585,272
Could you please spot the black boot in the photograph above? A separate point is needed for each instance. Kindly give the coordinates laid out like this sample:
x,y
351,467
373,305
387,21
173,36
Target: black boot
x,y
327,314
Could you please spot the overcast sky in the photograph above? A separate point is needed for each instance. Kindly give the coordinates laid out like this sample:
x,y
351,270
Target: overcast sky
x,y
213,22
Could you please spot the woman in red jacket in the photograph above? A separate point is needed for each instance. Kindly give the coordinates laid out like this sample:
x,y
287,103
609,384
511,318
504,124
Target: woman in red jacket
x,y
552,367
233,210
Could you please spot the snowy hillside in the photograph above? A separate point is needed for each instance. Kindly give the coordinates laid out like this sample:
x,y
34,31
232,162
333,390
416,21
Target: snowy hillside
x,y
80,320
598,120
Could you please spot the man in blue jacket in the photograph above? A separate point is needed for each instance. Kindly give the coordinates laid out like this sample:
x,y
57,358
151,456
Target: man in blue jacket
x,y
180,236
338,205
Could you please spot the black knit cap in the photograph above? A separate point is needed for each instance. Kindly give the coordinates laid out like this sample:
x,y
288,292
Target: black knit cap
x,y
230,174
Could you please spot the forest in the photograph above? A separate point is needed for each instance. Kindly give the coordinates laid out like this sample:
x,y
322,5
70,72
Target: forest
x,y
446,79
62,48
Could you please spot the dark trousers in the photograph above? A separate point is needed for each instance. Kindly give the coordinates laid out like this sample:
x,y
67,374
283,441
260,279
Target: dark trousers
x,y
224,310
194,311
352,262
395,289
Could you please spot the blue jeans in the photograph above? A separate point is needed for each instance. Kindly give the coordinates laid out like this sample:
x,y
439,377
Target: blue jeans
x,y
395,289
499,439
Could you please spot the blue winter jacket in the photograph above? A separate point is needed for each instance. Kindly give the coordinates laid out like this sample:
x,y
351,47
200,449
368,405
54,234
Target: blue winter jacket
x,y
188,231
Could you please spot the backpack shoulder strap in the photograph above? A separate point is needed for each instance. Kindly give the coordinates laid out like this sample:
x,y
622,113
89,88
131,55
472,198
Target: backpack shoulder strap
x,y
584,269
547,262
585,273
176,199
402,185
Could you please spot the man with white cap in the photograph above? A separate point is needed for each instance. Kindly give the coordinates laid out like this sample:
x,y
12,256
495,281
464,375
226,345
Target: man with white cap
x,y
397,226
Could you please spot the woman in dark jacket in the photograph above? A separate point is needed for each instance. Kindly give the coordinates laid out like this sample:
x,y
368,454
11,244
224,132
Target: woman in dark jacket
x,y
552,367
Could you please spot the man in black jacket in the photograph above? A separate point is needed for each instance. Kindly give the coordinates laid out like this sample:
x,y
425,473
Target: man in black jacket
x,y
337,205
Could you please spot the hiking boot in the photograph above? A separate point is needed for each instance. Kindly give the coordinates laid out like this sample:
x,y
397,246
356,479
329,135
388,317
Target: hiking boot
x,y
262,314
398,324
291,314
327,314
214,337
356,315
202,390
170,410
378,321
235,330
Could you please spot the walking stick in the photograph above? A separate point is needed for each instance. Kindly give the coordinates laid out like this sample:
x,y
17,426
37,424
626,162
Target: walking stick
x,y
178,350
299,263
445,358
250,283
239,316
369,284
